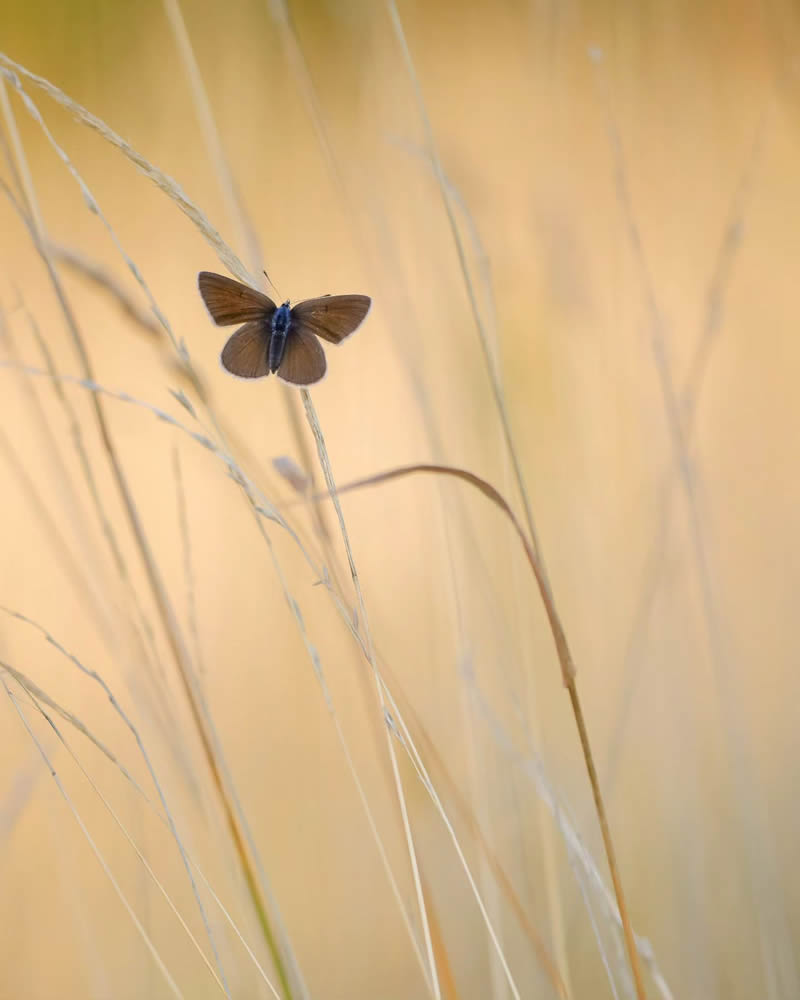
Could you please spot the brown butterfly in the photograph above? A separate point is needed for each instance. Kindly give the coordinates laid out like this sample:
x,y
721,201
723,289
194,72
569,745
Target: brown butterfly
x,y
274,338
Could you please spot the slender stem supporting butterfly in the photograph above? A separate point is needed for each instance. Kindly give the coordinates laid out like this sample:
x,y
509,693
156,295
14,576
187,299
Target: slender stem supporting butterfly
x,y
280,339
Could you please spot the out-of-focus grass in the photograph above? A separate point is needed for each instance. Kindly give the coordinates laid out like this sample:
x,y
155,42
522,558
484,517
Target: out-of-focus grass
x,y
649,393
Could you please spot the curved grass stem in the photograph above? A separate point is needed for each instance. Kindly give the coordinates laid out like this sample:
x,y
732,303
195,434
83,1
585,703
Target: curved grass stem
x,y
567,672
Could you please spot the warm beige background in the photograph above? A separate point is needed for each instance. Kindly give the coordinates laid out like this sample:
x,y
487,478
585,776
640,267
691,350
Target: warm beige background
x,y
565,128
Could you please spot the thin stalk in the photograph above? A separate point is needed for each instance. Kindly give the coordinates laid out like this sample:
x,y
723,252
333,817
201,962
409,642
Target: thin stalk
x,y
171,984
567,673
324,461
163,604
562,648
492,367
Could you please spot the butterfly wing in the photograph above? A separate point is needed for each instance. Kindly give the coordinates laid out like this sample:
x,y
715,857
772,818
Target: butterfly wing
x,y
230,301
331,317
245,354
303,360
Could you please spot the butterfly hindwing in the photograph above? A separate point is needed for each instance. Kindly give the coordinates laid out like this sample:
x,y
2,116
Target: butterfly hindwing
x,y
303,360
245,354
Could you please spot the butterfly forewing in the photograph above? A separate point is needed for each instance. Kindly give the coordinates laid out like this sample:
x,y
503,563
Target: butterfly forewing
x,y
331,317
230,301
245,354
304,360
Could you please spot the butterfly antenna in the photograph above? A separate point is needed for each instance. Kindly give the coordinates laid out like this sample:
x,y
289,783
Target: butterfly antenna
x,y
271,282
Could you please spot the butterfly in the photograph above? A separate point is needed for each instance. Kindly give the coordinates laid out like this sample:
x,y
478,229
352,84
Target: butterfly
x,y
280,339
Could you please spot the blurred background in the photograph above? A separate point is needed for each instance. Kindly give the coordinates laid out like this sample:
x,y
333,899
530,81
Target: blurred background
x,y
614,209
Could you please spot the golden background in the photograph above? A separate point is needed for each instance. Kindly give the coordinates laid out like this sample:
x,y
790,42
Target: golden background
x,y
624,182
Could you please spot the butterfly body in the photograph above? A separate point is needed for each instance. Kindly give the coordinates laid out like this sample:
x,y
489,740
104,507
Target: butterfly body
x,y
281,325
279,339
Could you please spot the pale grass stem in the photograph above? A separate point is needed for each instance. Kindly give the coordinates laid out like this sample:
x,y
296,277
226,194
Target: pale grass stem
x,y
559,637
172,985
776,947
